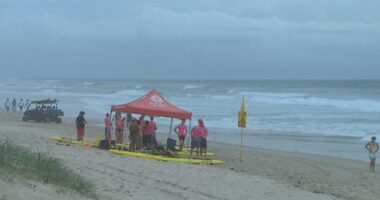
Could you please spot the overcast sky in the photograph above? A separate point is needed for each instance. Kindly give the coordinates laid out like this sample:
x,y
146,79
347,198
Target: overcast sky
x,y
225,39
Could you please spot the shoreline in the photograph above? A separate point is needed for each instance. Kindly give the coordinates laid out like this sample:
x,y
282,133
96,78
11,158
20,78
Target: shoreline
x,y
266,174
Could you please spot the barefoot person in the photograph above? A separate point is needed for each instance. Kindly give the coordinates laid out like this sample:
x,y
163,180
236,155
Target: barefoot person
x,y
203,142
372,148
7,105
181,131
80,123
196,138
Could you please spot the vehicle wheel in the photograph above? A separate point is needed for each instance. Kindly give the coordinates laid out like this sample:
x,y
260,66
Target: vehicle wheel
x,y
58,120
46,119
24,119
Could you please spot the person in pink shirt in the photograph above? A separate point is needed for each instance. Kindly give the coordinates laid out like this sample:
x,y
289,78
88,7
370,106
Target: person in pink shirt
x,y
203,136
181,131
153,128
196,138
107,125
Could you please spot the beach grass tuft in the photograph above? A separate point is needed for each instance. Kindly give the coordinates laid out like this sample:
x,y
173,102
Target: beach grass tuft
x,y
42,167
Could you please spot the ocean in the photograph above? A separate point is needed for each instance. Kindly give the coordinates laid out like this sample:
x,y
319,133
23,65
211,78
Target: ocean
x,y
302,107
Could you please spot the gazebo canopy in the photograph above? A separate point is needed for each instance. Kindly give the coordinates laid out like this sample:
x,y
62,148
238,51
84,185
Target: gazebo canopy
x,y
153,104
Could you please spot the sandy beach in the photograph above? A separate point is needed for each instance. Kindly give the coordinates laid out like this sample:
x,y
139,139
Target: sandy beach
x,y
264,174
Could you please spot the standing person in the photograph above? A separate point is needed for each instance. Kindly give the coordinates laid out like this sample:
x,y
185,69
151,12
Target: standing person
x,y
133,134
129,118
140,123
372,148
107,130
14,103
196,138
147,137
80,123
119,130
26,104
153,129
7,104
21,104
203,143
181,131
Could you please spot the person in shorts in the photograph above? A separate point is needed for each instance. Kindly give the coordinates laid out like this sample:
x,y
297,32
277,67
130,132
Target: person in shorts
x,y
372,148
181,131
196,133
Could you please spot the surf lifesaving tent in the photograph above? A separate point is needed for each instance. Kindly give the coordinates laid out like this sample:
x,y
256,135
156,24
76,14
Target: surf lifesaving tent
x,y
152,104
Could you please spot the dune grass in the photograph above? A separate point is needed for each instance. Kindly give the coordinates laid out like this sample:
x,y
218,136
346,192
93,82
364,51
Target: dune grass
x,y
42,167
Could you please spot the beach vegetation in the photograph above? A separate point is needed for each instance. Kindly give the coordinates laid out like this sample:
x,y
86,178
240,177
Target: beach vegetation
x,y
42,167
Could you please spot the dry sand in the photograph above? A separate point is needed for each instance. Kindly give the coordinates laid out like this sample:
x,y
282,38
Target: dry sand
x,y
265,174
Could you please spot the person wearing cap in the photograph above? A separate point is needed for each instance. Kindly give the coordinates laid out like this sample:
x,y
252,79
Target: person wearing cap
x,y
372,148
80,123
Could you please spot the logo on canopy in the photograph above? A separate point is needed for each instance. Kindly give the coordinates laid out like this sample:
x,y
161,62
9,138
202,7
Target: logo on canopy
x,y
156,101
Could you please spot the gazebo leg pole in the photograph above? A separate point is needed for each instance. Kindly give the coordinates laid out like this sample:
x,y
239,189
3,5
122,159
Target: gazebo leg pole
x,y
189,138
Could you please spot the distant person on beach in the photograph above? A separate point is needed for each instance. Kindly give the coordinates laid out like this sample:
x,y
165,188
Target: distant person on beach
x,y
107,129
80,123
147,136
133,134
203,142
7,104
196,138
14,103
153,129
21,105
129,118
27,104
181,131
120,130
372,148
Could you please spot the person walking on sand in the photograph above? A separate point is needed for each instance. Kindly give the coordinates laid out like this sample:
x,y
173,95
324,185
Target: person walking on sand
x,y
107,130
372,148
181,131
21,105
7,104
14,103
80,123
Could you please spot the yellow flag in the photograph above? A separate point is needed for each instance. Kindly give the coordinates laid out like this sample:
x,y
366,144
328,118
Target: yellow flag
x,y
242,116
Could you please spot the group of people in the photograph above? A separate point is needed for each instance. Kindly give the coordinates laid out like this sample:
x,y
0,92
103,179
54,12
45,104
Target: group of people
x,y
142,133
8,105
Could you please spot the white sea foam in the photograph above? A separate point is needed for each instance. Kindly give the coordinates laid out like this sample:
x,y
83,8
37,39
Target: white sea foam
x,y
88,83
308,100
192,86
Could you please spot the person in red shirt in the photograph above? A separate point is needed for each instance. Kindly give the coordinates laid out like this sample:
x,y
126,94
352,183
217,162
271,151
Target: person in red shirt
x,y
80,124
181,131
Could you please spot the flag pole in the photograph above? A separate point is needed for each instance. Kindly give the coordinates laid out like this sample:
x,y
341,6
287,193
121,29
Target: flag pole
x,y
241,145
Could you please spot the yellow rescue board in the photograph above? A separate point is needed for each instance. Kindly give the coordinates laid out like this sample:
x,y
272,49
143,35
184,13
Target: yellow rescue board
x,y
184,151
166,159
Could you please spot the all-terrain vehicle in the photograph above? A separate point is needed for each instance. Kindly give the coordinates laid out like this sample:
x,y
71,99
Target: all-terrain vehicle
x,y
43,111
